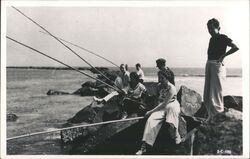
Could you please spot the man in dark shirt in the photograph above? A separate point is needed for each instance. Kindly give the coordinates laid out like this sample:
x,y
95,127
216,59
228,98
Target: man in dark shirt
x,y
161,64
215,70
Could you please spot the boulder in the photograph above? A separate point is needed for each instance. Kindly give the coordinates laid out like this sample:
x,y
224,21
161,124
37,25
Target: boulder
x,y
11,117
221,136
190,101
234,102
87,114
92,113
89,88
202,112
55,92
86,91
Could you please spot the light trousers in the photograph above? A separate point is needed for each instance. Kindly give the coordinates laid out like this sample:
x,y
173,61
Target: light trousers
x,y
168,114
110,95
215,74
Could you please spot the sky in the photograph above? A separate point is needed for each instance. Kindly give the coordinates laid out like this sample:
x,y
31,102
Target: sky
x,y
126,34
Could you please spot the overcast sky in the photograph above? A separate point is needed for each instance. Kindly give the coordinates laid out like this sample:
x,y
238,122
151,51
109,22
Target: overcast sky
x,y
125,34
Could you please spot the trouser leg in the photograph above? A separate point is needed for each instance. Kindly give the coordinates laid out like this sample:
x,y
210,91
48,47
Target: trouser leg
x,y
152,127
206,93
216,87
111,95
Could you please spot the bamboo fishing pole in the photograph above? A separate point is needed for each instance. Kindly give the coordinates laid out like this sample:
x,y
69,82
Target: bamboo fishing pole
x,y
61,42
87,50
60,62
73,127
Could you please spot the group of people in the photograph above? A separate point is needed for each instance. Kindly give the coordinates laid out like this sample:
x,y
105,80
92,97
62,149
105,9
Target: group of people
x,y
131,86
168,108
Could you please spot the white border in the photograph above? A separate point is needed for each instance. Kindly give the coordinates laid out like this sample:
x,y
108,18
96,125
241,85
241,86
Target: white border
x,y
245,60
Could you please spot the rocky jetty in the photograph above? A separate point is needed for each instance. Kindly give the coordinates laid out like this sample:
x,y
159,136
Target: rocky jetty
x,y
221,136
94,137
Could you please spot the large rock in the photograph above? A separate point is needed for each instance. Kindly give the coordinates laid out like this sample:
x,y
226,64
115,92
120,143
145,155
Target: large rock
x,y
202,112
234,102
55,92
221,136
11,117
92,113
190,101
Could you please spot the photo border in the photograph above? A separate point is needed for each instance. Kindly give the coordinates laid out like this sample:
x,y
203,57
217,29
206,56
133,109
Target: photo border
x,y
183,3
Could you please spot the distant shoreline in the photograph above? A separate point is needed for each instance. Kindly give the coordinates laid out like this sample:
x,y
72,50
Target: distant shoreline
x,y
47,67
178,74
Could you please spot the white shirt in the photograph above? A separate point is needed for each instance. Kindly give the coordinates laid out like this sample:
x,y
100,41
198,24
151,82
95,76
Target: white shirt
x,y
137,91
122,80
140,74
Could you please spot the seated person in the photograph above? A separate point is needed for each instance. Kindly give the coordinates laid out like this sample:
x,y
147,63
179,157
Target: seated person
x,y
132,100
122,82
168,110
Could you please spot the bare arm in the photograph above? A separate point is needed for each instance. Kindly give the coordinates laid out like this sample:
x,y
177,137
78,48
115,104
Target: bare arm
x,y
233,49
169,96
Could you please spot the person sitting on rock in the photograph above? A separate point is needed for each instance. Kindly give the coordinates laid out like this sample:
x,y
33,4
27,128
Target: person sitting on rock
x,y
122,82
168,110
132,100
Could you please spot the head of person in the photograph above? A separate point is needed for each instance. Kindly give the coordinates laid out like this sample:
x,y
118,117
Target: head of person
x,y
126,67
134,79
138,66
213,26
160,63
123,68
162,78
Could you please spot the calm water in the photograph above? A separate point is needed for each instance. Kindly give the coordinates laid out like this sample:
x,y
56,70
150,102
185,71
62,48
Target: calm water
x,y
26,97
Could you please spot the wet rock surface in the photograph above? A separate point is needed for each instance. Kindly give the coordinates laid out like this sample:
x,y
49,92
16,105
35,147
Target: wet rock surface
x,y
222,136
234,102
56,92
11,117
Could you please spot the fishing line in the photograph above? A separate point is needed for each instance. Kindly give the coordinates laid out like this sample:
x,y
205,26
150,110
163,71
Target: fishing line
x,y
73,127
87,50
61,42
59,61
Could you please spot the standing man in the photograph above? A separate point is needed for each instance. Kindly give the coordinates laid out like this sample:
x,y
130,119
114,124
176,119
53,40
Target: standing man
x,y
161,64
215,71
140,72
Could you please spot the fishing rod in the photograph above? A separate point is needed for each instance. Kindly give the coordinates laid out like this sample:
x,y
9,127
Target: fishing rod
x,y
73,127
87,50
188,135
61,42
60,62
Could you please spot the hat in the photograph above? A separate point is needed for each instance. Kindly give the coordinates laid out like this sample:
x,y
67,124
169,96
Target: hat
x,y
161,61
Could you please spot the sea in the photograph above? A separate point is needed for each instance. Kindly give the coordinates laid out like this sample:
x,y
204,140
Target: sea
x,y
36,111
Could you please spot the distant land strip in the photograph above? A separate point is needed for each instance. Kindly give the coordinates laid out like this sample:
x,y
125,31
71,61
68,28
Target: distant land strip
x,y
56,68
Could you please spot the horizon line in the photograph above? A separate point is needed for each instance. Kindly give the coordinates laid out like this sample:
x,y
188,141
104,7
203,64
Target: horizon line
x,y
104,67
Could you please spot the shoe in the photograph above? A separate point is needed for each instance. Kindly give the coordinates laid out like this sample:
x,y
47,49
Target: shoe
x,y
143,150
178,139
124,115
98,100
